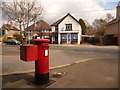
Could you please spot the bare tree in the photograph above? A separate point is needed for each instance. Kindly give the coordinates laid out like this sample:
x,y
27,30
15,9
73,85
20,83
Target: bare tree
x,y
100,24
23,13
109,17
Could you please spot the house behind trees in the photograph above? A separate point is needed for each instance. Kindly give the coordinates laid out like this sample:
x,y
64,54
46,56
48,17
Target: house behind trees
x,y
39,29
8,30
113,28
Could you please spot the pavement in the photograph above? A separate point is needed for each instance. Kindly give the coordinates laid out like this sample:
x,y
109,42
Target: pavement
x,y
85,45
89,73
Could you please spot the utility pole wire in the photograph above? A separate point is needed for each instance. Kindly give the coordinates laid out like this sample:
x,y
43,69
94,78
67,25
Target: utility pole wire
x,y
81,11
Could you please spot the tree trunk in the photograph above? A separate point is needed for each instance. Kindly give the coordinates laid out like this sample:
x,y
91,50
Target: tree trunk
x,y
23,38
24,41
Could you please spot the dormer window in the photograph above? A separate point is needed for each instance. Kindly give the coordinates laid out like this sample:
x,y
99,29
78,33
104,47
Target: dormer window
x,y
37,25
45,30
68,27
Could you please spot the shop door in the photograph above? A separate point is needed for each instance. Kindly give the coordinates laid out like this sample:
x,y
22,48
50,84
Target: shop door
x,y
69,38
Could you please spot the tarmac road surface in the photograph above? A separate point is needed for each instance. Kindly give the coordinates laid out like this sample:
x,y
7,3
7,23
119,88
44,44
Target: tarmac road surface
x,y
59,55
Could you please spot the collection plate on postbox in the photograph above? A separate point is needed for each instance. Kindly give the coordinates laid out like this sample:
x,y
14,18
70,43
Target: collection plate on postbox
x,y
28,53
45,48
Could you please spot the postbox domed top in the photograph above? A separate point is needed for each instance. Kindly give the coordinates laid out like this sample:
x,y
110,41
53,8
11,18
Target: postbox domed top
x,y
37,41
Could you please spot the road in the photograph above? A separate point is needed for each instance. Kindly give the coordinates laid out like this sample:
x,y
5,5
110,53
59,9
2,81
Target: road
x,y
59,55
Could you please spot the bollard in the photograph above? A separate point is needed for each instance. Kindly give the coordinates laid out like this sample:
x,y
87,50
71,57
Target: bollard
x,y
40,54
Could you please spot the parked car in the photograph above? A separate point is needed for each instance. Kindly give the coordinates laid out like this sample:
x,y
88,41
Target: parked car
x,y
12,42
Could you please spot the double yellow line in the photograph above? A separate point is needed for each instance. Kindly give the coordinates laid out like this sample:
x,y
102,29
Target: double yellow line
x,y
20,72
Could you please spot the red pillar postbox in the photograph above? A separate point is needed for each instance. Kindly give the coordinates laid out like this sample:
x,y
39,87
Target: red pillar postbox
x,y
42,64
40,54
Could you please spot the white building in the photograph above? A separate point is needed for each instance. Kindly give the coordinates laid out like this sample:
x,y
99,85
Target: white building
x,y
66,30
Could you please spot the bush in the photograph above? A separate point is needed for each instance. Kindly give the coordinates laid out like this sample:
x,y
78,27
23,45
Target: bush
x,y
97,40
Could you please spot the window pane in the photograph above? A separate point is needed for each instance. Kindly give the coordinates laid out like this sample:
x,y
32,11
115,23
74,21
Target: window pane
x,y
74,37
63,37
69,27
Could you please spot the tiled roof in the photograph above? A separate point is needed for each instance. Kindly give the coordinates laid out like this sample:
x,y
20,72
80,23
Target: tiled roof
x,y
60,20
43,25
10,27
57,22
113,21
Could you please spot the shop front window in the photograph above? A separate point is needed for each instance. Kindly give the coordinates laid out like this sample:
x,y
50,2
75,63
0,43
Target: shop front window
x,y
63,37
74,37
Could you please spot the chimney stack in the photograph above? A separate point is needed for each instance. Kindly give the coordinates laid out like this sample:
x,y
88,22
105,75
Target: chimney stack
x,y
118,10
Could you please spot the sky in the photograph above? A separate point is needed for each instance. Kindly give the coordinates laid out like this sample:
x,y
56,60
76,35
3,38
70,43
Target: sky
x,y
88,10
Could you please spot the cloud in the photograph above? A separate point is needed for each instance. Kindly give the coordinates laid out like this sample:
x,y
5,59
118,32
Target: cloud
x,y
87,10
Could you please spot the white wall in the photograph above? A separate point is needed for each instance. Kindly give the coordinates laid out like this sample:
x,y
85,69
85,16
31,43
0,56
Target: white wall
x,y
53,28
69,20
59,40
79,35
10,33
76,28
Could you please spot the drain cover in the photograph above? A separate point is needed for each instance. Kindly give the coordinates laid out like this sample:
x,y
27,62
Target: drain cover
x,y
58,75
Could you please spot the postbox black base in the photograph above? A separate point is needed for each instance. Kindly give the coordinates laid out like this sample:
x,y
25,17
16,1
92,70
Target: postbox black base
x,y
41,79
